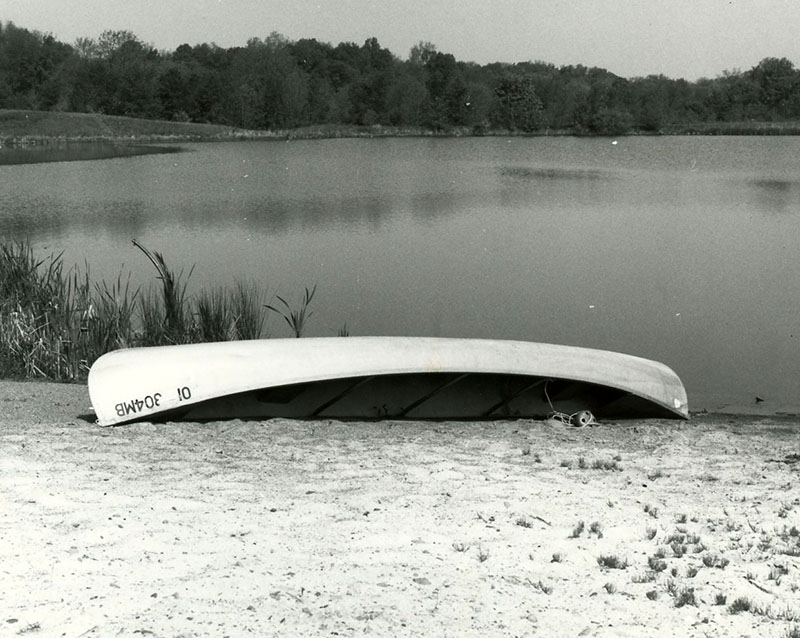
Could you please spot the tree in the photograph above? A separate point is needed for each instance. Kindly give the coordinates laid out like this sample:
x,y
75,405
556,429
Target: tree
x,y
733,97
407,97
518,106
778,83
277,83
30,65
611,121
126,80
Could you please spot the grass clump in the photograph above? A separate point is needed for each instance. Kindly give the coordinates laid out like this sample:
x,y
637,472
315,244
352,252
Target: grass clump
x,y
175,320
230,315
777,572
596,528
612,561
676,537
679,550
741,604
686,597
607,465
597,464
54,322
656,564
712,560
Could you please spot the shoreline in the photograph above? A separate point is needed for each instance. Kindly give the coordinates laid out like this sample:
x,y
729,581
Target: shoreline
x,y
389,527
25,129
37,141
739,410
71,390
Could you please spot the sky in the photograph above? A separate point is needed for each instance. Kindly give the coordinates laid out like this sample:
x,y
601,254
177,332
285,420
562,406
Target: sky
x,y
686,39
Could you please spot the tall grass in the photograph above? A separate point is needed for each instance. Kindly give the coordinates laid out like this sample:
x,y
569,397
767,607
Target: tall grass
x,y
247,304
39,319
54,323
176,322
295,317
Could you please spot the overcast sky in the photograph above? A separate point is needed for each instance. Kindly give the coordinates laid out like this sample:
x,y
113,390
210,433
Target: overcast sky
x,y
679,38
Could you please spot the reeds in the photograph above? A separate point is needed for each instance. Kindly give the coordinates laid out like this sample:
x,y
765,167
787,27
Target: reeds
x,y
296,318
54,323
176,322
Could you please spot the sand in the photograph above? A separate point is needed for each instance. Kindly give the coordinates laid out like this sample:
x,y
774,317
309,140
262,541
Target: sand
x,y
394,528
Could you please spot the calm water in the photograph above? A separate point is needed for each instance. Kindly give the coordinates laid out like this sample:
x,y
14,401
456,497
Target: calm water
x,y
684,250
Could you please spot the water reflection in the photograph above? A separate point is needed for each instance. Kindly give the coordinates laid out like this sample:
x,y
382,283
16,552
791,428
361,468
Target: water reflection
x,y
776,185
76,152
777,195
522,172
272,216
38,216
42,217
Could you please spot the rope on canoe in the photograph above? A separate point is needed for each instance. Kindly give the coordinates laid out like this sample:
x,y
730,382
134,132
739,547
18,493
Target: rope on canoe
x,y
579,419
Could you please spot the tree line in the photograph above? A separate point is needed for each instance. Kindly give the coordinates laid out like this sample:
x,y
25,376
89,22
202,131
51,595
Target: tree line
x,y
275,83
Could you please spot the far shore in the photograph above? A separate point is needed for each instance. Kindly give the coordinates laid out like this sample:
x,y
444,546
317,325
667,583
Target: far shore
x,y
19,128
394,527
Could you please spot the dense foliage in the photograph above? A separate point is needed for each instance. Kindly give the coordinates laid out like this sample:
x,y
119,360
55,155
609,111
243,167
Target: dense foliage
x,y
274,83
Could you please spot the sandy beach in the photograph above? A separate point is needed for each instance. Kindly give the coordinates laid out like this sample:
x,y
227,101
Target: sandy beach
x,y
320,528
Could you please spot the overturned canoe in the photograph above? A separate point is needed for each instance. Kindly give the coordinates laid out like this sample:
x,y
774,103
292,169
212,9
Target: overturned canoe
x,y
379,377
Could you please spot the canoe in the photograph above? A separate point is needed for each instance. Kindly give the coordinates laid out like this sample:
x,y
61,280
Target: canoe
x,y
379,377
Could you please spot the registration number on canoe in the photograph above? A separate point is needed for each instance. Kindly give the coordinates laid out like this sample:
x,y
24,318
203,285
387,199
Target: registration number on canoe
x,y
148,402
134,406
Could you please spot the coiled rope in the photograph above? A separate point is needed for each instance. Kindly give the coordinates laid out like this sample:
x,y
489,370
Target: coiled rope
x,y
579,419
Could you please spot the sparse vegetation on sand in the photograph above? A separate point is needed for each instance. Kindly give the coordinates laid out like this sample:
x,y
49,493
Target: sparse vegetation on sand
x,y
55,322
444,527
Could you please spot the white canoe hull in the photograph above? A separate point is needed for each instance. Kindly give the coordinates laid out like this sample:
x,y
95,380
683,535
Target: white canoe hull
x,y
378,377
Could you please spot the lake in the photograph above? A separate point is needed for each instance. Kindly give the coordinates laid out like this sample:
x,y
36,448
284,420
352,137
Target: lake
x,y
681,249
